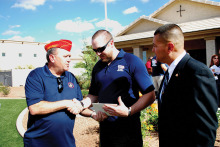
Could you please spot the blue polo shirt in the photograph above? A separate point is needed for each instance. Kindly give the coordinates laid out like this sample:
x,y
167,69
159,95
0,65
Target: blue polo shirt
x,y
125,77
55,129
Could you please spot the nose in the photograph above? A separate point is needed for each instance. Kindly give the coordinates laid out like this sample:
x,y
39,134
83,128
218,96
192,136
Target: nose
x,y
68,59
98,53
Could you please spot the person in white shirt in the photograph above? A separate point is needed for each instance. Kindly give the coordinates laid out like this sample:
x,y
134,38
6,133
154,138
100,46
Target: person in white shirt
x,y
214,66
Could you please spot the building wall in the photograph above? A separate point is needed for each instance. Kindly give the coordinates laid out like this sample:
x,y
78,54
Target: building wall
x,y
13,55
193,11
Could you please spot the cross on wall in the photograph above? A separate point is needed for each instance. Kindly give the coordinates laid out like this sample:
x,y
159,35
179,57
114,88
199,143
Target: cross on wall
x,y
180,11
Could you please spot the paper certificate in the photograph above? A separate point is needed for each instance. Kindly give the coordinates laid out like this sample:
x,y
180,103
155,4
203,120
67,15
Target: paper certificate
x,y
98,107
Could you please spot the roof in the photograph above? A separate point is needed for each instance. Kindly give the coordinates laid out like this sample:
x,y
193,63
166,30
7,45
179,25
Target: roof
x,y
143,17
21,42
207,23
212,23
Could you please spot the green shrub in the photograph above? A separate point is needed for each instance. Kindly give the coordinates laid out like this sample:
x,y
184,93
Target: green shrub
x,y
218,116
149,119
86,84
84,92
30,67
5,90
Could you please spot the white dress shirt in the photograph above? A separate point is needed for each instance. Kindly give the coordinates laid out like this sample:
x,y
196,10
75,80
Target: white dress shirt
x,y
174,63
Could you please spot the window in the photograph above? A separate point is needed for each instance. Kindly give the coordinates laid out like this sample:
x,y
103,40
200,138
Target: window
x,y
35,55
3,54
20,55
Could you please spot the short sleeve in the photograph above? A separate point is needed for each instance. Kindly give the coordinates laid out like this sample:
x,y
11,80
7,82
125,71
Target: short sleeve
x,y
140,74
33,89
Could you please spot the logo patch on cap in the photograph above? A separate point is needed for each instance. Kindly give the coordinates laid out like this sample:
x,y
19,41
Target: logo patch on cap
x,y
70,85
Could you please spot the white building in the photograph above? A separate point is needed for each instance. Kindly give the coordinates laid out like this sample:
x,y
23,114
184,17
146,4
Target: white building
x,y
199,20
15,55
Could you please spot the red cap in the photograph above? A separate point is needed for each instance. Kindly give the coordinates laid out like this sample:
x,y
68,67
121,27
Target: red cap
x,y
64,44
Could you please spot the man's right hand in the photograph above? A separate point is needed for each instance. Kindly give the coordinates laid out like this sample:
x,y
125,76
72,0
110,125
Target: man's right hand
x,y
74,106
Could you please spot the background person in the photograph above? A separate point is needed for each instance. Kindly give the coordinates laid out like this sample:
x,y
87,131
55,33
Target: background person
x,y
158,70
214,67
49,92
148,65
117,78
188,103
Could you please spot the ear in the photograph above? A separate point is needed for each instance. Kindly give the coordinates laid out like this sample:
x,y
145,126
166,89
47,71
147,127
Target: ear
x,y
52,58
111,42
170,47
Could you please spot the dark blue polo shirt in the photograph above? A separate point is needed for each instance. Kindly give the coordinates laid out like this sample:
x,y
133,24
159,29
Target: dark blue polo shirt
x,y
55,129
125,77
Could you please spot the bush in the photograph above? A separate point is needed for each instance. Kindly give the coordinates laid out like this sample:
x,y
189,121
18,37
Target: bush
x,y
85,92
218,116
149,119
30,67
4,89
86,84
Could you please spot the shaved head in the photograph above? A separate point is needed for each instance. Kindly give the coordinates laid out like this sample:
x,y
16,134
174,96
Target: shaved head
x,y
102,33
171,33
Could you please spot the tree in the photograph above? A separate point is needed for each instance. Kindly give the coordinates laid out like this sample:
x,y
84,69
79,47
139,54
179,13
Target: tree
x,y
89,60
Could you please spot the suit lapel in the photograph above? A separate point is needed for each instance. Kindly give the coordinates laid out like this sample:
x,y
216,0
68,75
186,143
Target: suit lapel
x,y
179,68
176,74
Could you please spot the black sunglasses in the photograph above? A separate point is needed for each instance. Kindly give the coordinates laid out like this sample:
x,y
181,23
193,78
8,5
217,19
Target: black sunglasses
x,y
101,49
60,85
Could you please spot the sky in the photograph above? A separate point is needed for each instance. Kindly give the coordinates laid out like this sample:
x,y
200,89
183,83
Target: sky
x,y
75,20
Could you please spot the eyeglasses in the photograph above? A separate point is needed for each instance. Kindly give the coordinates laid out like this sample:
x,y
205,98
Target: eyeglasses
x,y
60,85
101,49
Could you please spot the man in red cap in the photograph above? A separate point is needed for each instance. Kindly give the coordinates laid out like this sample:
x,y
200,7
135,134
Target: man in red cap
x,y
50,90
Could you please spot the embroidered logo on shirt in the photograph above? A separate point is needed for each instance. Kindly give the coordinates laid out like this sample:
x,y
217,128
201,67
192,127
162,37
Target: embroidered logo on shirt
x,y
120,68
70,85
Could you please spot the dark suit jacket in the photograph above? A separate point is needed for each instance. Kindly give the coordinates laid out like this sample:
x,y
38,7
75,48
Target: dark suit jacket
x,y
187,113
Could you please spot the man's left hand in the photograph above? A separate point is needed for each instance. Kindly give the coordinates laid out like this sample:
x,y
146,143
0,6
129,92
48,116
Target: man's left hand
x,y
120,110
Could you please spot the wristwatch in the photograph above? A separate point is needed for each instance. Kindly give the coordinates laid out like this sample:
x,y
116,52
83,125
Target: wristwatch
x,y
129,111
82,104
92,114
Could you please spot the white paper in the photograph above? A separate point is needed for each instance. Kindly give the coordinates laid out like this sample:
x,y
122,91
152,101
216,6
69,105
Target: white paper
x,y
98,107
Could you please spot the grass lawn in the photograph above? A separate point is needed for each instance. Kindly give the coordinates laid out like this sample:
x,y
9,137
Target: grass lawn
x,y
9,111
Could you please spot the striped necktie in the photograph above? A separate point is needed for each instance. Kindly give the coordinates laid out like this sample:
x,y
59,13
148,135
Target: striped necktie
x,y
165,83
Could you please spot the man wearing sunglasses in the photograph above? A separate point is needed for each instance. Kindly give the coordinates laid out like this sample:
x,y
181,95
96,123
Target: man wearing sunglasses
x,y
117,79
50,90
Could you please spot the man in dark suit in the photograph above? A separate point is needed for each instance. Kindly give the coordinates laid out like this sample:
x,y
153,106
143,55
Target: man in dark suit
x,y
188,103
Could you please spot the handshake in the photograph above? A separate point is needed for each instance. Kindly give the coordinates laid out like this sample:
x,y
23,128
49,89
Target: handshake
x,y
74,106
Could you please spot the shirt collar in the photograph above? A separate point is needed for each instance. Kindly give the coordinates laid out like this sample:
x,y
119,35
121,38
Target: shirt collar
x,y
174,63
48,73
121,53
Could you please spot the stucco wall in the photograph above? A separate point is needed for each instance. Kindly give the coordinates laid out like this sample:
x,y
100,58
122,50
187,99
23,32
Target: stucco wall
x,y
193,11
